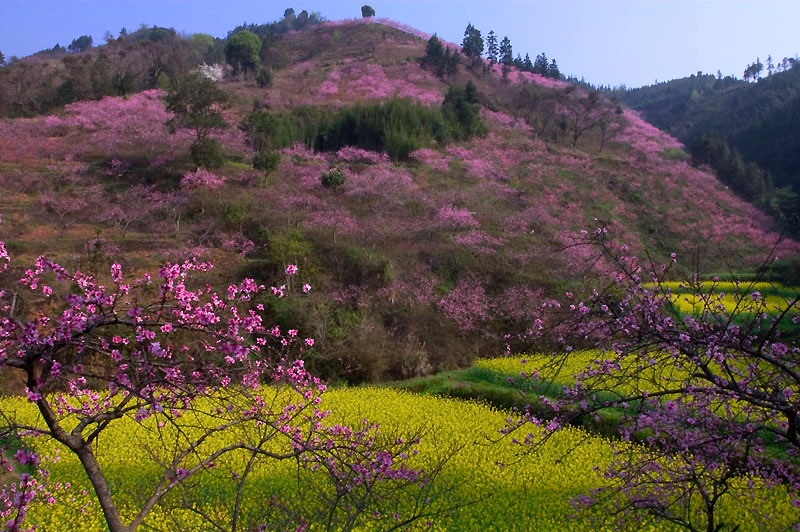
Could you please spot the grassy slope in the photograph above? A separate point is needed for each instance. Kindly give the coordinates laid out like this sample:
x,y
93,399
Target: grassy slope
x,y
399,289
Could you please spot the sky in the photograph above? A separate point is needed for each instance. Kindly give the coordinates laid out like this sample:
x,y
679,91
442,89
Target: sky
x,y
607,42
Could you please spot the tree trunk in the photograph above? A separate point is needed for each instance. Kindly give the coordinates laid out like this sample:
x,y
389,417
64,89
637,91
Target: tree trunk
x,y
101,489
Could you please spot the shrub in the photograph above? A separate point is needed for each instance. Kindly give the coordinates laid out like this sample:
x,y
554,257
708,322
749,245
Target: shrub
x,y
266,160
333,178
207,153
397,126
264,77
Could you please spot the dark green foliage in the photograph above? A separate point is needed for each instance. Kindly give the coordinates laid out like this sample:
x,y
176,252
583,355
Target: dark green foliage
x,y
540,66
439,59
367,11
125,83
57,49
491,47
472,45
82,43
66,92
527,65
334,178
761,121
754,71
506,52
471,93
289,22
785,272
264,77
396,126
553,71
461,105
747,179
271,131
242,51
154,34
266,160
207,153
197,105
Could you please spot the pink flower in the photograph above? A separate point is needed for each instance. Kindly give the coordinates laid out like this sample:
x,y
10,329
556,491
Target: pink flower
x,y
309,342
291,269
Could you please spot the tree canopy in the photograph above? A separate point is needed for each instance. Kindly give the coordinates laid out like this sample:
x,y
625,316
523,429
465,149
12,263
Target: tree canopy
x,y
472,45
242,51
80,44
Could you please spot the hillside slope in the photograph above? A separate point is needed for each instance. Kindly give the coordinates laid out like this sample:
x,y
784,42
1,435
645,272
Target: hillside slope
x,y
415,264
757,119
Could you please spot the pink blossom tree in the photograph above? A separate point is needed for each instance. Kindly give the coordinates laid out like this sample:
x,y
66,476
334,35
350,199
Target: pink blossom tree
x,y
187,364
708,400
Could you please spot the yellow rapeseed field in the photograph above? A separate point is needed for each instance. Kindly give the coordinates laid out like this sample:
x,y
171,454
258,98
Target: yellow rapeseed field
x,y
524,495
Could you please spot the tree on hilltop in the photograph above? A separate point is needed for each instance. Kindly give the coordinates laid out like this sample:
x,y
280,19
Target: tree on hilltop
x,y
552,70
753,71
540,65
80,44
527,65
367,11
242,51
506,53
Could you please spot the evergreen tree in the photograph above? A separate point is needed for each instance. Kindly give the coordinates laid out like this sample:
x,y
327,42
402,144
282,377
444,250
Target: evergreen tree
x,y
540,65
527,65
2,59
439,59
506,53
553,71
451,62
82,43
471,93
491,47
472,45
518,62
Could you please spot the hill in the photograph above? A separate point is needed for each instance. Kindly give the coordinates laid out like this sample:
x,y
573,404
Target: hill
x,y
758,120
425,257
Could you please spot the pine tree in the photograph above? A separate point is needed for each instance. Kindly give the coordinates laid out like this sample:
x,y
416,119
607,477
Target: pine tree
x,y
527,65
553,71
472,45
506,53
540,65
491,42
518,62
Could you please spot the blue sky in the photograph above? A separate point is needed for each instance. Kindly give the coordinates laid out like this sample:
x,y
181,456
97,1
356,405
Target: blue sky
x,y
610,42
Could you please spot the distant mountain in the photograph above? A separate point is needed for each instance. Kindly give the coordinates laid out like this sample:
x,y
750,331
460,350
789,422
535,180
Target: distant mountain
x,y
758,120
